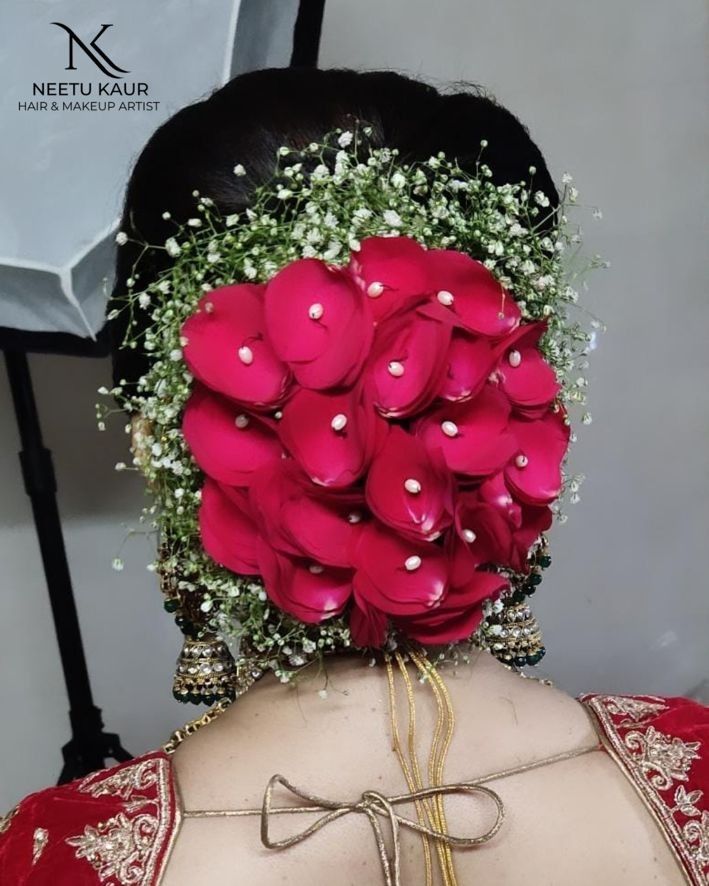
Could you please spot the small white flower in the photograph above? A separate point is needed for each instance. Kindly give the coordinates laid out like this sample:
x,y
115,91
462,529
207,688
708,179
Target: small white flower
x,y
176,355
398,180
597,214
164,286
392,218
130,282
173,247
322,693
541,198
103,390
231,220
144,300
117,564
121,238
239,169
567,178
120,466
194,222
284,193
206,605
166,215
345,140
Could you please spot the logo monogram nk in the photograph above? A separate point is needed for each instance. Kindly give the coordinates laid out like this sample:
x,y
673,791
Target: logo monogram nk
x,y
96,55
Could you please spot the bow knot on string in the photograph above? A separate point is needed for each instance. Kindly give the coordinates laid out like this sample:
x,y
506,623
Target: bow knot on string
x,y
375,806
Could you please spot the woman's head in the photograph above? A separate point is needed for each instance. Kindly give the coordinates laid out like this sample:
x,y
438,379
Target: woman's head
x,y
247,120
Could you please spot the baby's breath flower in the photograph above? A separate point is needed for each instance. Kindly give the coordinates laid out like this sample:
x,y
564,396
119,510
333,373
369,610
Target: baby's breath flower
x,y
392,218
121,238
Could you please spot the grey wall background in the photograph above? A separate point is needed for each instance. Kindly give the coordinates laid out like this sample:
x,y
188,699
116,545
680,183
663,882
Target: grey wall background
x,y
617,94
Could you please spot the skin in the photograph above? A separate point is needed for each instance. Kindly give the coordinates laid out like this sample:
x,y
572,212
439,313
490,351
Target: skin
x,y
575,822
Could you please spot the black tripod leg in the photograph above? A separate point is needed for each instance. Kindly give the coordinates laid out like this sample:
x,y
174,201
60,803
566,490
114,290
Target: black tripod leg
x,y
90,746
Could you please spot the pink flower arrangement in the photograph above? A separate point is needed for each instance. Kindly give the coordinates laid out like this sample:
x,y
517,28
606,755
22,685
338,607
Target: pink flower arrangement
x,y
375,438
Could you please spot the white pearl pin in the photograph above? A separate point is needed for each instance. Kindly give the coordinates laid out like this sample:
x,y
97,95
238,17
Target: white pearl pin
x,y
412,563
246,355
339,421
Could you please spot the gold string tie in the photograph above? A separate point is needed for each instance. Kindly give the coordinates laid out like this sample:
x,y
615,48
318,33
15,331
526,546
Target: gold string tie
x,y
375,806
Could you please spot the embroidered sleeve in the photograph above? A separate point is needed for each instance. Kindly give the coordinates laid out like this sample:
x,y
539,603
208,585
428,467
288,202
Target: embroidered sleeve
x,y
663,746
114,827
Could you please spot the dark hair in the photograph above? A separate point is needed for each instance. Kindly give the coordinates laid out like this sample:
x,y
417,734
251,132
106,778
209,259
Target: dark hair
x,y
249,118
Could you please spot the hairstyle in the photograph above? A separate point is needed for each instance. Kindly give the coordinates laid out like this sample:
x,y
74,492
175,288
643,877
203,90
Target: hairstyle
x,y
249,118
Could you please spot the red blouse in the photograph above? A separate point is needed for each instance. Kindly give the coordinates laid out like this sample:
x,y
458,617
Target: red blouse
x,y
116,827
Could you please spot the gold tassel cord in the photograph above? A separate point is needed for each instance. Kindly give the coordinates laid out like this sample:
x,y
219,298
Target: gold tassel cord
x,y
439,752
396,741
431,807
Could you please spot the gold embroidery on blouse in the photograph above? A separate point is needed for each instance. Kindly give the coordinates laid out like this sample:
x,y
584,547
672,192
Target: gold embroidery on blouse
x,y
653,762
634,709
123,783
668,758
696,836
40,839
120,848
126,848
685,802
6,819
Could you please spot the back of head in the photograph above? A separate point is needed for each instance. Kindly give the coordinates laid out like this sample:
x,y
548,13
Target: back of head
x,y
248,119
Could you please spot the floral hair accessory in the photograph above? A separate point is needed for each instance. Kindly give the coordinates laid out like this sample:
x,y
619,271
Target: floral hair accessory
x,y
359,404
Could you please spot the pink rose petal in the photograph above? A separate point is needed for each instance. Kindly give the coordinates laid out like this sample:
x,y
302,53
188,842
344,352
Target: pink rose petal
x,y
523,373
534,475
459,615
471,359
408,363
227,528
331,435
396,575
308,592
391,272
473,436
368,625
227,443
304,520
410,489
478,300
319,323
484,531
226,347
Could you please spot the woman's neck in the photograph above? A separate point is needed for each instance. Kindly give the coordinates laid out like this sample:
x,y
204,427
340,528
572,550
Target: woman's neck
x,y
335,727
